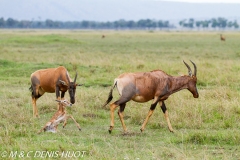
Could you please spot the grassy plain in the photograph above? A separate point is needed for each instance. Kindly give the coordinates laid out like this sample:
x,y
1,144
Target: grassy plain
x,y
205,128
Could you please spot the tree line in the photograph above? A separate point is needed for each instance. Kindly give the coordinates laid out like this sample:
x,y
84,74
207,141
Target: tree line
x,y
119,24
214,23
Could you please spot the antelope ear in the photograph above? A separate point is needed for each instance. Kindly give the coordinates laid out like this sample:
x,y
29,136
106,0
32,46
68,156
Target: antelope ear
x,y
79,85
58,100
63,83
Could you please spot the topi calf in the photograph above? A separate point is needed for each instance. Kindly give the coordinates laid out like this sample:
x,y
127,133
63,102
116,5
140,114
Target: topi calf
x,y
59,117
144,86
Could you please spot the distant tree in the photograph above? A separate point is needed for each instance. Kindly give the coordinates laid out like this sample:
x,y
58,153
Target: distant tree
x,y
198,24
222,22
2,22
230,24
182,22
39,24
122,23
214,23
150,24
116,24
160,24
205,24
131,24
24,24
11,23
49,23
187,23
166,24
85,24
110,25
191,23
235,24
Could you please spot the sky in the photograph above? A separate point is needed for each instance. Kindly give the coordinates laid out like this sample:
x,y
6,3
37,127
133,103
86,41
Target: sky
x,y
205,1
111,10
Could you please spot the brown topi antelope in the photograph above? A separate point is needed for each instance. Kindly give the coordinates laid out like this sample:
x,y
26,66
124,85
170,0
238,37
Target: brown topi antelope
x,y
222,38
59,117
52,80
144,86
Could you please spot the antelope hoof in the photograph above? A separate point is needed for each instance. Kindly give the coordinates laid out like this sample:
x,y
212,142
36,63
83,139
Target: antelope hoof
x,y
110,129
125,132
171,130
141,130
80,129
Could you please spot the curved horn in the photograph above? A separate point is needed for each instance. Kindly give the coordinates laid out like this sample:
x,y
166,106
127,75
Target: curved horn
x,y
195,68
189,69
75,78
68,78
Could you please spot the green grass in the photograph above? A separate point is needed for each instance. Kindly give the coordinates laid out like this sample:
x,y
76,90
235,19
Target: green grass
x,y
205,128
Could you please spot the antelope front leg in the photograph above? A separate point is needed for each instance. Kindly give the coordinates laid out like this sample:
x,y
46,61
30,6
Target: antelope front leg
x,y
57,95
164,109
41,130
70,116
62,95
58,92
112,108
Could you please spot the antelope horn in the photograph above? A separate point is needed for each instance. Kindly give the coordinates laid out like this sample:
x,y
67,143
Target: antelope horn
x,y
189,69
195,68
75,78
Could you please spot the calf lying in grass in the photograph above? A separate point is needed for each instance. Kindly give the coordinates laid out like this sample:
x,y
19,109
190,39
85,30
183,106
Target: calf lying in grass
x,y
60,116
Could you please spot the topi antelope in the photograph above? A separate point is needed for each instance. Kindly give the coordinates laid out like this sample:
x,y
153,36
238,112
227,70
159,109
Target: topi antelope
x,y
144,86
222,38
58,117
52,80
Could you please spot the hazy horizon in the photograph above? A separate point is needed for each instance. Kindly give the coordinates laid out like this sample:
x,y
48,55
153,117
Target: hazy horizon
x,y
110,10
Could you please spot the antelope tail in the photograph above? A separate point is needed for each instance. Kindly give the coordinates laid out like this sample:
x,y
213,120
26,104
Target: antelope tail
x,y
31,88
110,97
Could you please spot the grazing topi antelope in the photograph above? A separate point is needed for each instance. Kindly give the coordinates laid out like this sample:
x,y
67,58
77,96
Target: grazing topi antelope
x,y
144,86
222,38
58,117
52,80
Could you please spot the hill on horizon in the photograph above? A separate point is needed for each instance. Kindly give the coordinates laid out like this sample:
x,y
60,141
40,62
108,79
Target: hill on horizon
x,y
111,10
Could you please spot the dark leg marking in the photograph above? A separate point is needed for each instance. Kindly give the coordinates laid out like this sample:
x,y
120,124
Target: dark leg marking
x,y
122,107
163,107
57,91
62,94
120,114
153,106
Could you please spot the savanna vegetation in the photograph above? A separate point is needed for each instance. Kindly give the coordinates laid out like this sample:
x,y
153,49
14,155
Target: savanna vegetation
x,y
205,128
